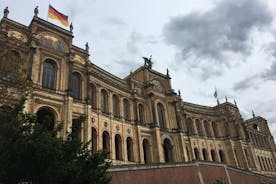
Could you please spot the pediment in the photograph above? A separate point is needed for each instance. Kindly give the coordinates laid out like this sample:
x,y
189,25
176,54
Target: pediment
x,y
51,41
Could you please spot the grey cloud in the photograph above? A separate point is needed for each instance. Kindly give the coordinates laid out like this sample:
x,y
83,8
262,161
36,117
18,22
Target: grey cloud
x,y
252,81
132,42
115,21
136,39
246,83
130,64
125,66
270,74
212,37
75,9
85,30
271,48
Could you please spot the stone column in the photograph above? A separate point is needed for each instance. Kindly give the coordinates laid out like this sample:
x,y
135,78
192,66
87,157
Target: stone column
x,y
153,111
67,116
211,128
30,63
87,125
88,89
109,103
99,99
140,151
135,110
70,74
159,156
176,115
194,128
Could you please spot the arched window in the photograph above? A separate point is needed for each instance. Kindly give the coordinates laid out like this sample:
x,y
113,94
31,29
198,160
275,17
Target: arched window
x,y
76,85
115,106
94,96
76,129
215,129
46,117
146,151
94,140
49,74
196,154
126,110
106,139
130,155
161,115
199,128
168,151
256,127
213,155
141,113
118,147
207,128
205,154
189,124
224,129
222,156
104,101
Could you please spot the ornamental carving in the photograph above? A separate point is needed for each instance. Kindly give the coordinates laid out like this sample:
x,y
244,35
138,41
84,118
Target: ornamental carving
x,y
117,128
17,35
93,120
52,43
79,59
138,91
158,86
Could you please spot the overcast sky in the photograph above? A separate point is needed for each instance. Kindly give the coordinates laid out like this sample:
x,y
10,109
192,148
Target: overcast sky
x,y
204,43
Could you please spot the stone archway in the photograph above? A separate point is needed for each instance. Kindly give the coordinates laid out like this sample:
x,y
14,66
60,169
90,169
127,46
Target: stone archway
x,y
46,117
147,151
118,147
168,150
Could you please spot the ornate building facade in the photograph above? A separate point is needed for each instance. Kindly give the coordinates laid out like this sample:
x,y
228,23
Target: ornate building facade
x,y
139,119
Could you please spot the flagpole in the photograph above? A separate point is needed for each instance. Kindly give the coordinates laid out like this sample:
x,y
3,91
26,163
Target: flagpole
x,y
216,95
48,11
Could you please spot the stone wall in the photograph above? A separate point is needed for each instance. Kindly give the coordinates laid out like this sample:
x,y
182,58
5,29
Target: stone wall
x,y
184,173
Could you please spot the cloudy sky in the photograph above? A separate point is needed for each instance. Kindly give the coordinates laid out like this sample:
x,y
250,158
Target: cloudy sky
x,y
204,43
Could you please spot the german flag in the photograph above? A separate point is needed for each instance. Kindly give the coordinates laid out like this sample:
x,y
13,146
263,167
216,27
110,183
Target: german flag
x,y
54,14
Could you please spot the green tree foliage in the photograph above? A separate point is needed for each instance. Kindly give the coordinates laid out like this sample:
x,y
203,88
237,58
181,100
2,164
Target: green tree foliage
x,y
31,153
220,181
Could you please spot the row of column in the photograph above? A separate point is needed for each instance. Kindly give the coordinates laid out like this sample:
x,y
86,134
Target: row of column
x,y
259,140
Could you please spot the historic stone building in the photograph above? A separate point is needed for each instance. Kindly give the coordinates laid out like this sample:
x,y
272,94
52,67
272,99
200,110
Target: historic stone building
x,y
139,119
